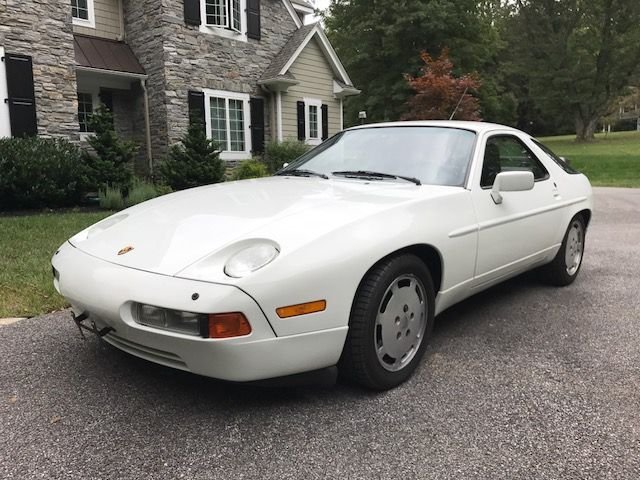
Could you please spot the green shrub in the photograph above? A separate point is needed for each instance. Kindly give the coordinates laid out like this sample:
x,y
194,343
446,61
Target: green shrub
x,y
141,191
38,172
111,161
250,169
111,198
193,162
278,153
163,189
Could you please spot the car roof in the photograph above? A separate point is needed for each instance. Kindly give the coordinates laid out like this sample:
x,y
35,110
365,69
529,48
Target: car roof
x,y
478,127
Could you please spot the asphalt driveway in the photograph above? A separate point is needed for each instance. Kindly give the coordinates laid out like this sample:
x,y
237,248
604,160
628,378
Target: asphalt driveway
x,y
523,381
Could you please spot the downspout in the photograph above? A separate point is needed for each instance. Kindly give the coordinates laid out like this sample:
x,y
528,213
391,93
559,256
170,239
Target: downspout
x,y
279,114
147,124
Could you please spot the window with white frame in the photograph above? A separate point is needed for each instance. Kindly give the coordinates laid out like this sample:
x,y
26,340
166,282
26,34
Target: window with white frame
x,y
227,116
313,120
82,13
85,110
226,17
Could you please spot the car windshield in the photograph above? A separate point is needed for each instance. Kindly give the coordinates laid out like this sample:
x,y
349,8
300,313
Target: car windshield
x,y
431,155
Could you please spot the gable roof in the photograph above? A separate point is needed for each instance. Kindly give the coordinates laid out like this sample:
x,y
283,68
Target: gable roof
x,y
296,44
303,6
292,11
279,62
302,3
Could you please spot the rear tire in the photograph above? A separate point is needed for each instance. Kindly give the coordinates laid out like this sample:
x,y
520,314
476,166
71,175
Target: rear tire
x,y
391,321
564,268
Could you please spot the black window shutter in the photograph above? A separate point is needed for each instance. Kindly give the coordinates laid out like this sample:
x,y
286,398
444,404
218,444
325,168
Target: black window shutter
x,y
253,19
22,98
325,122
302,133
192,12
257,125
196,107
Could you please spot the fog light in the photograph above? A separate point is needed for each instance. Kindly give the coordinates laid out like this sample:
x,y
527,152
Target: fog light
x,y
180,322
228,325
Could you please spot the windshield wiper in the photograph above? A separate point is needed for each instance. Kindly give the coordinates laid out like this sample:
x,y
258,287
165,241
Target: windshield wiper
x,y
302,173
378,175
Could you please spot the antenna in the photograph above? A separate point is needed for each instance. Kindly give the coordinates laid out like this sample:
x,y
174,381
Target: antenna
x,y
458,105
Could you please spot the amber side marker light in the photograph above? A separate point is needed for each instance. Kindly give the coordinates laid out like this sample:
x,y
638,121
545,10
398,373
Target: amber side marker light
x,y
228,325
302,309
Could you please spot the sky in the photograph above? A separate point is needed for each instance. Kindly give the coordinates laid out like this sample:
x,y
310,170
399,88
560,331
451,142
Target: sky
x,y
320,4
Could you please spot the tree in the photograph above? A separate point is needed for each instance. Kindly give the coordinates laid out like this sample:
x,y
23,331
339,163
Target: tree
x,y
381,41
576,56
438,93
193,162
110,158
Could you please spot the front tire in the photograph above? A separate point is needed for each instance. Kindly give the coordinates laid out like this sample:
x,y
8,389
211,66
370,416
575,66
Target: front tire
x,y
564,268
391,321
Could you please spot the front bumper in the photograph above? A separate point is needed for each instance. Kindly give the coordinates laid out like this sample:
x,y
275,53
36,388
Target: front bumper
x,y
106,292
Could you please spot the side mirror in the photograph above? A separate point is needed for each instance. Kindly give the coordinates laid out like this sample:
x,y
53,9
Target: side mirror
x,y
566,160
511,182
285,165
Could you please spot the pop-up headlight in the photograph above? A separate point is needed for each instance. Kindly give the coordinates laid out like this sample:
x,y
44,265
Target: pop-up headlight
x,y
251,259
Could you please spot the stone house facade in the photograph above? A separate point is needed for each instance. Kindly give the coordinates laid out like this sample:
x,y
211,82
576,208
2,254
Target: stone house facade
x,y
250,70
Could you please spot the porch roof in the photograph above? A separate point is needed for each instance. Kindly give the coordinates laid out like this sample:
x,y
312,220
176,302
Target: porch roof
x,y
102,54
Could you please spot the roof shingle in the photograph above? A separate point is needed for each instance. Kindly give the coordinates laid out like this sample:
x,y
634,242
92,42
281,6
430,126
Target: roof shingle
x,y
287,52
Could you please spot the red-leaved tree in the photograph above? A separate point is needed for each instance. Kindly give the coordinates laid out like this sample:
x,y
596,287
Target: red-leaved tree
x,y
438,92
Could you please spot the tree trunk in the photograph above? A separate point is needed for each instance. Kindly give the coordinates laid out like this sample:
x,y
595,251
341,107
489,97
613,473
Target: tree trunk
x,y
586,128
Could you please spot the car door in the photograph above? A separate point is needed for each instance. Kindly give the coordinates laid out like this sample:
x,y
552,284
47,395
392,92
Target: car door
x,y
521,231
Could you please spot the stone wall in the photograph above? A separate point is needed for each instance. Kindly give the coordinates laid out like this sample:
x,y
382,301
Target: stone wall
x,y
128,120
43,30
195,60
144,34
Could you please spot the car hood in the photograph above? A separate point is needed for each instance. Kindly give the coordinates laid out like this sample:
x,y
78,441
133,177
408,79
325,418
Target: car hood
x,y
168,234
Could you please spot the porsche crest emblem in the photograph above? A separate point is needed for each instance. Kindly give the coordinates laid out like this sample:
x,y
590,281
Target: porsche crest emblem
x,y
125,250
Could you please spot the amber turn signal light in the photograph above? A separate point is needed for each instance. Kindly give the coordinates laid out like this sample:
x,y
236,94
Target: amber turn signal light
x,y
228,325
302,309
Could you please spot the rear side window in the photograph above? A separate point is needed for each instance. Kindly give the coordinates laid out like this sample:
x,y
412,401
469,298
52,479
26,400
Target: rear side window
x,y
561,163
506,153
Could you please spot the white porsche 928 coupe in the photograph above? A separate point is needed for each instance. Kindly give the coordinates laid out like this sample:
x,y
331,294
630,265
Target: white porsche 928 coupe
x,y
342,259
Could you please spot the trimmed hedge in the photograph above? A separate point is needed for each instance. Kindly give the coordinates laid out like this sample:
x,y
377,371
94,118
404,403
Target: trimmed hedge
x,y
250,169
38,172
278,153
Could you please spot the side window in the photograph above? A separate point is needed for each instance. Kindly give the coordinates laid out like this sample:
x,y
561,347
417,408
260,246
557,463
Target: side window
x,y
559,161
508,154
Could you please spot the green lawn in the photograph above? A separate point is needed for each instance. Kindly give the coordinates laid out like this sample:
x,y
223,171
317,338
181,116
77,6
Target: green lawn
x,y
26,245
612,160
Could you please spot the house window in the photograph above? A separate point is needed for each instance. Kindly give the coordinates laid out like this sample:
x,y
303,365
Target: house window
x,y
313,120
225,17
82,13
227,123
85,110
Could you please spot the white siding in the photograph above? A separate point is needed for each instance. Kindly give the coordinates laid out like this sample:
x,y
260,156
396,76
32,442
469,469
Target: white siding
x,y
315,75
107,13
